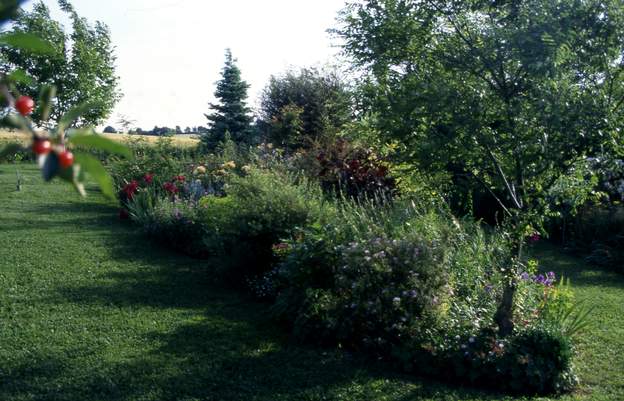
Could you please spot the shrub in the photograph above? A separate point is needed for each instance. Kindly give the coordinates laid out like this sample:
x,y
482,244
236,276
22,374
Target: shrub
x,y
163,161
365,279
386,289
535,361
353,171
539,361
176,224
266,208
239,224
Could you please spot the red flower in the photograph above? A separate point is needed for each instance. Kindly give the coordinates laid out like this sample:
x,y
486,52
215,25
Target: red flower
x,y
171,188
354,164
180,178
130,189
148,178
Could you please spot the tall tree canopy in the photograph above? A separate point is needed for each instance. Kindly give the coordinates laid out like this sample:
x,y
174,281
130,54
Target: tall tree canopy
x,y
82,65
510,93
301,106
231,114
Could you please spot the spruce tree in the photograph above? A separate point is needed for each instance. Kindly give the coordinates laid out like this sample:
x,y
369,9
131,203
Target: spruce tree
x,y
231,114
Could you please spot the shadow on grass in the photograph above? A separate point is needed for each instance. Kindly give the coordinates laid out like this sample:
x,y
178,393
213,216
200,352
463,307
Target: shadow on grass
x,y
581,274
72,216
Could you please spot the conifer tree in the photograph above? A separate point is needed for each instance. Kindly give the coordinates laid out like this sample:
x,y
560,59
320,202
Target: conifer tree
x,y
231,114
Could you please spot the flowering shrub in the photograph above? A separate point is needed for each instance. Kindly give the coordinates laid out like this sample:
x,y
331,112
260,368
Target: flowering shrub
x,y
402,281
351,170
535,361
420,289
384,290
174,223
365,287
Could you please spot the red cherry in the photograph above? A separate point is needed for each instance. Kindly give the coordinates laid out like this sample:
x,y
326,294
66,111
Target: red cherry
x,y
24,105
41,147
66,159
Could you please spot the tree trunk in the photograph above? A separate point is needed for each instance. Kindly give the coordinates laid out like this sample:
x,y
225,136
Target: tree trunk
x,y
504,313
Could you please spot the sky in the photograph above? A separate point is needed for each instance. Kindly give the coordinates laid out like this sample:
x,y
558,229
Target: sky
x,y
170,52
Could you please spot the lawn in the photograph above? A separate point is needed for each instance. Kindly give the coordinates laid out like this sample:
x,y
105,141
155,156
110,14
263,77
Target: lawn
x,y
89,310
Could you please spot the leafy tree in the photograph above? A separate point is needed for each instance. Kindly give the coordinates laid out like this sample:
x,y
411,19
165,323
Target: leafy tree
x,y
302,106
231,114
109,130
80,65
286,127
512,94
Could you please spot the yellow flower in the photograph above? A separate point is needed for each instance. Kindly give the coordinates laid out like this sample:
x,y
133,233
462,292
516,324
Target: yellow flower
x,y
199,170
229,164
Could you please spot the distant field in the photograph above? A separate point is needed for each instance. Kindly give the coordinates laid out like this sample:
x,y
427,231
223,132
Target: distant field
x,y
181,140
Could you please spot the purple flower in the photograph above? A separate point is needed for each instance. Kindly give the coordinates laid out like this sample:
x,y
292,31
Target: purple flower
x,y
525,276
533,238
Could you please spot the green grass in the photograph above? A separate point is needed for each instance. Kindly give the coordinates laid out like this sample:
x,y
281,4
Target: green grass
x,y
89,310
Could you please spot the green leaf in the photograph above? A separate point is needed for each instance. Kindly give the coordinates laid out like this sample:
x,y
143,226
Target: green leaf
x,y
21,77
27,41
9,150
98,142
94,168
12,121
46,96
75,113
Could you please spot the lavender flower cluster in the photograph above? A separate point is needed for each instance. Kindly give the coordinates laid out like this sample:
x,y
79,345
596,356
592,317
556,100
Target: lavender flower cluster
x,y
547,280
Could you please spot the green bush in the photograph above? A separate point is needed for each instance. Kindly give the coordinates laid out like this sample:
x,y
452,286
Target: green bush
x,y
535,361
372,276
539,361
176,224
239,227
266,208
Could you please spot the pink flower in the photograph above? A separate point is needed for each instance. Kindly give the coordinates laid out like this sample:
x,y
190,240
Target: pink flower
x,y
148,178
